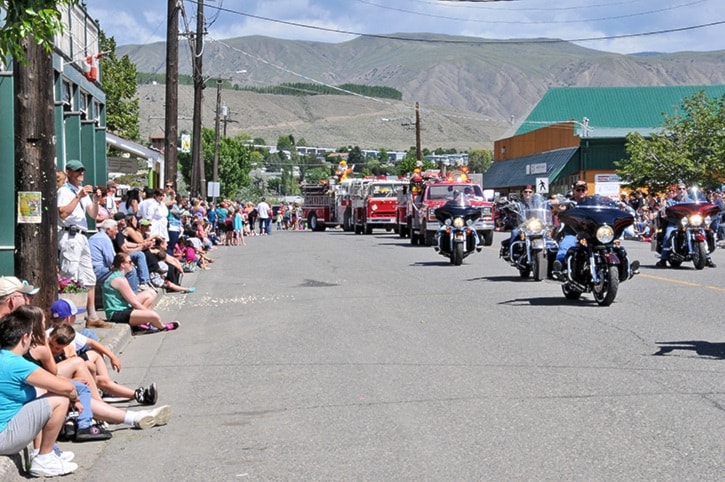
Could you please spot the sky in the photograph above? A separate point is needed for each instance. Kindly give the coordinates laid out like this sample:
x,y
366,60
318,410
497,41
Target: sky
x,y
621,26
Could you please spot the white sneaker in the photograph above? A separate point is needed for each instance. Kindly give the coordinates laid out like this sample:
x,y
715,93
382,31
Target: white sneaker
x,y
65,456
151,418
50,466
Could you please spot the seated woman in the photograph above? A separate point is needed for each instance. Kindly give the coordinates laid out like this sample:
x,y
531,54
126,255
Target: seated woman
x,y
122,305
167,267
23,416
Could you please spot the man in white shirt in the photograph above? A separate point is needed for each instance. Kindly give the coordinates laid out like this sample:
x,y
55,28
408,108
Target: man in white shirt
x,y
264,212
75,202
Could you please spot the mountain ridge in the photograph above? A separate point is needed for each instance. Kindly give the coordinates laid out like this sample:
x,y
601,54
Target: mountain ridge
x,y
489,82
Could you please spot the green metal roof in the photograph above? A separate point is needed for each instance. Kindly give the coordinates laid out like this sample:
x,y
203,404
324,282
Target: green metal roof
x,y
612,108
517,172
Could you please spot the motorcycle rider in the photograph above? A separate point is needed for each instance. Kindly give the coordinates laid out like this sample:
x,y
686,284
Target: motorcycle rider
x,y
523,204
680,197
580,191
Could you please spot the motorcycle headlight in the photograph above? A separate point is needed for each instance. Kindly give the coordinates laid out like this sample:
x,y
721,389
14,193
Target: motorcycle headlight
x,y
534,224
458,222
374,207
448,222
605,234
696,220
469,222
684,222
708,220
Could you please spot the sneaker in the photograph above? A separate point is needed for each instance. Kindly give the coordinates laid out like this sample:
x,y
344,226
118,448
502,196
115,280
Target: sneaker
x,y
108,398
152,418
66,456
148,395
710,263
92,434
144,287
661,264
50,465
171,326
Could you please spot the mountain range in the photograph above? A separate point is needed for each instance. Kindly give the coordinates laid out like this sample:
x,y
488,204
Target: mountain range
x,y
471,91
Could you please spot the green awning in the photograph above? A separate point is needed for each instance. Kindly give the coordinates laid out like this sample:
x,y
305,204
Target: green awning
x,y
525,170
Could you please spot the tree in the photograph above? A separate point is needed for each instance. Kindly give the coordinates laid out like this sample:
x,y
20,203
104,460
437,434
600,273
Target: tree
x,y
28,33
39,19
119,82
479,160
689,148
234,162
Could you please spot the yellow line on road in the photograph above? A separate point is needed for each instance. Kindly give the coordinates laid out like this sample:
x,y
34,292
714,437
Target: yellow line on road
x,y
687,283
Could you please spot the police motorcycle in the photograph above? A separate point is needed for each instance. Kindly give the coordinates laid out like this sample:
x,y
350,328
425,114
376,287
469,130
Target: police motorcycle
x,y
527,249
456,237
598,263
693,239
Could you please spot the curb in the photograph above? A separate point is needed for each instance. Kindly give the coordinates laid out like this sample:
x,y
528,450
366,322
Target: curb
x,y
13,466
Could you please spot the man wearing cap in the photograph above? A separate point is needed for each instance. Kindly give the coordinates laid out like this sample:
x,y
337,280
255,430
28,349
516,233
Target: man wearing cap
x,y
75,202
580,191
14,293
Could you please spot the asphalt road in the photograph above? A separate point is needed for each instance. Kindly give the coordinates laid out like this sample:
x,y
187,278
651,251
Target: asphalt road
x,y
331,356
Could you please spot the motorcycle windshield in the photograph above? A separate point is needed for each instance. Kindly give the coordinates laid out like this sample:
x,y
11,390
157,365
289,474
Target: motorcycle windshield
x,y
457,205
537,207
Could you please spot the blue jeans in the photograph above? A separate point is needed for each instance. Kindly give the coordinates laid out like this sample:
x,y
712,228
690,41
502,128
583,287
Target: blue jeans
x,y
666,245
567,242
85,418
139,259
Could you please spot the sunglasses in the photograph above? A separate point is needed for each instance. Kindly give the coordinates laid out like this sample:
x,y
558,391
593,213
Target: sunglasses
x,y
581,189
682,189
528,192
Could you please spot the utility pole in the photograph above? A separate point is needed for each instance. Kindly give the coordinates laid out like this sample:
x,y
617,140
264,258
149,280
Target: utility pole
x,y
215,174
419,153
198,178
36,243
172,92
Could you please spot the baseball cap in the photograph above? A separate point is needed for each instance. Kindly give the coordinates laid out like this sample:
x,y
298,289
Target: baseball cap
x,y
580,183
11,284
74,165
63,308
144,222
528,187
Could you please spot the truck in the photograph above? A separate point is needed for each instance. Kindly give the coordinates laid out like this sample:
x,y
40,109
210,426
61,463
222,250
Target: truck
x,y
422,224
373,203
326,205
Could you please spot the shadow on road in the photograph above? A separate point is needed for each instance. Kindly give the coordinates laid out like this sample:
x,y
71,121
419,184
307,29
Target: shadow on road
x,y
702,348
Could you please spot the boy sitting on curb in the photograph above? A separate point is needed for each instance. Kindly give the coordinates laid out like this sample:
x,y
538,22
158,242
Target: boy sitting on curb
x,y
64,312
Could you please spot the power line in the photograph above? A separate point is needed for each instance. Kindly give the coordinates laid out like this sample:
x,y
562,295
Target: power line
x,y
472,42
542,22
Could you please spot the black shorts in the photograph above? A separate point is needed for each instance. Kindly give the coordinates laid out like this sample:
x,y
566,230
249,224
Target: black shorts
x,y
121,316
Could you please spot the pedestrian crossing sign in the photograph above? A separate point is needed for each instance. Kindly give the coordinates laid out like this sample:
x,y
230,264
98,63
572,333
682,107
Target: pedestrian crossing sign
x,y
542,185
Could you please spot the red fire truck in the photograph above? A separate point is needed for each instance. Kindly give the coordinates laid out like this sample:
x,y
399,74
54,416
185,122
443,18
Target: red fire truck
x,y
326,206
422,223
373,202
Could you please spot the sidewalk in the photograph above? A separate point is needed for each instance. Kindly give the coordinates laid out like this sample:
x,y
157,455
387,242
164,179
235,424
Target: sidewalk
x,y
116,338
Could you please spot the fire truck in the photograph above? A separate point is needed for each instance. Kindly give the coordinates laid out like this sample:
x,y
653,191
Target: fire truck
x,y
373,203
326,205
422,223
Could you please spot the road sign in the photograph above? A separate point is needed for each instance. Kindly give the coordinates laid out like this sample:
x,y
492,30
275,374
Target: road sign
x,y
542,185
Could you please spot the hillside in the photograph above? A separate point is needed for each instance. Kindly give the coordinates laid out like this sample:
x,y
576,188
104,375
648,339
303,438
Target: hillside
x,y
469,91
